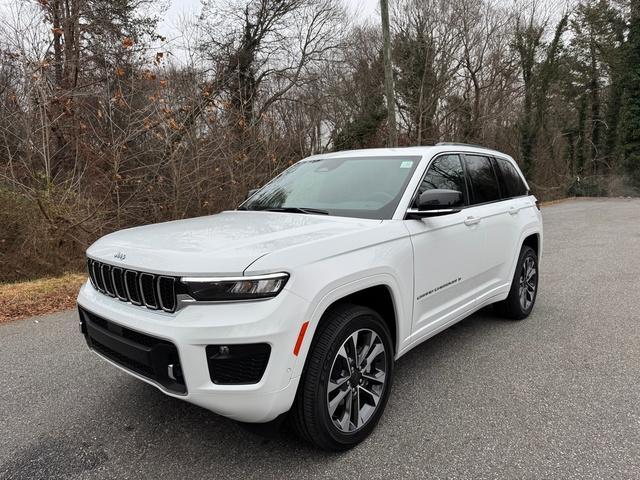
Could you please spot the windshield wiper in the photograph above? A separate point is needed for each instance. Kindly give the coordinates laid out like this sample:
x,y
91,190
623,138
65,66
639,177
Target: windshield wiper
x,y
297,210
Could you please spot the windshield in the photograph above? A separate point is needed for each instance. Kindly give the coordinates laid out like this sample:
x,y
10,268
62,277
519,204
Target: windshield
x,y
362,187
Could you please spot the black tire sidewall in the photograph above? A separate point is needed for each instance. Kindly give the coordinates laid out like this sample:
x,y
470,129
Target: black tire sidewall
x,y
515,300
361,318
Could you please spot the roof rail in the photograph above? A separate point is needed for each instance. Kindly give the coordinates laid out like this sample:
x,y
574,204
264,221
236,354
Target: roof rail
x,y
460,144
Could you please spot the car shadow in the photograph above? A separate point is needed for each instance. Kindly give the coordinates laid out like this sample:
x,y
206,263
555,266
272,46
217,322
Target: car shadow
x,y
451,341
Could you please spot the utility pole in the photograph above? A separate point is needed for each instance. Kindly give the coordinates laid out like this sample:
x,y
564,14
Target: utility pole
x,y
388,74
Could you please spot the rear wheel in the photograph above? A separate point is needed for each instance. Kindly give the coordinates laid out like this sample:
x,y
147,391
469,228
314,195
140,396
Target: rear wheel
x,y
524,287
347,379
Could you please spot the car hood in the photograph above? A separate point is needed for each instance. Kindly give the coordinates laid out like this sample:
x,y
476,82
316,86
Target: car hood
x,y
222,244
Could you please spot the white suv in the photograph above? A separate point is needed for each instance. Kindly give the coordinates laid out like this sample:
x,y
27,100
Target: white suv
x,y
300,301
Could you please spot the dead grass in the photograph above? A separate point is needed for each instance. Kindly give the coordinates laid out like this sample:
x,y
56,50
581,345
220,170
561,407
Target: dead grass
x,y
558,200
37,297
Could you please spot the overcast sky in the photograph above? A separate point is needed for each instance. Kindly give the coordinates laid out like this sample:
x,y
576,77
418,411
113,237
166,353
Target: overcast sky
x,y
364,9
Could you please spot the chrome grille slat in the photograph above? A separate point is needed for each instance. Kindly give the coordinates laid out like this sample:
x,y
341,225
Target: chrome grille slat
x,y
138,288
131,285
149,298
105,271
97,273
92,275
166,290
118,283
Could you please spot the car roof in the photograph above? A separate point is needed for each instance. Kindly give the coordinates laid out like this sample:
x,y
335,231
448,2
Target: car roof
x,y
427,150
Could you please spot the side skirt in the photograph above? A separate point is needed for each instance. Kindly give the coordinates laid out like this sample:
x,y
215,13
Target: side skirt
x,y
497,294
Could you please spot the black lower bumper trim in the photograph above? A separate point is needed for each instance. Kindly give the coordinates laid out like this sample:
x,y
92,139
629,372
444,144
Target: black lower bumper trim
x,y
150,357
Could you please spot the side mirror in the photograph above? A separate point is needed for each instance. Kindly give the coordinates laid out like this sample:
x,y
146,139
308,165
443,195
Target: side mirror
x,y
251,192
434,203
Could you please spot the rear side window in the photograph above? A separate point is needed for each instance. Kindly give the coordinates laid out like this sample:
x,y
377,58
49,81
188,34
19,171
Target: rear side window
x,y
511,179
483,180
445,173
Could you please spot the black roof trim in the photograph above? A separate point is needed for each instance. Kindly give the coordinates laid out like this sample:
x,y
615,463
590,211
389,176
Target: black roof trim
x,y
460,144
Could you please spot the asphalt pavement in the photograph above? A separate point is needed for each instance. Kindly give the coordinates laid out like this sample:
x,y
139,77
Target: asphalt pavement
x,y
553,396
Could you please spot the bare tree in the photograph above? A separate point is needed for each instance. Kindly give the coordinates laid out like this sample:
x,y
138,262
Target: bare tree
x,y
104,124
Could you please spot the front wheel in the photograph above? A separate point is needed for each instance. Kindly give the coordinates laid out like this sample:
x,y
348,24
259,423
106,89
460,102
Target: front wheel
x,y
347,379
524,287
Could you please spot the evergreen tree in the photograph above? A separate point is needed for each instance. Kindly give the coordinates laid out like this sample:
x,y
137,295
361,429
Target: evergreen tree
x,y
592,85
631,116
367,108
539,66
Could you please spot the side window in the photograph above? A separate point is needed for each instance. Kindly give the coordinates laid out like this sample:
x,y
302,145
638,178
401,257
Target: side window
x,y
446,173
483,180
511,179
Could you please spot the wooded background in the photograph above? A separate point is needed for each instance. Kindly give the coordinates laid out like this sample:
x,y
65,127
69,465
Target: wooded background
x,y
104,124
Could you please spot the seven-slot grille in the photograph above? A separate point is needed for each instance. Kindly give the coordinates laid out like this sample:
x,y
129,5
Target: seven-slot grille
x,y
139,288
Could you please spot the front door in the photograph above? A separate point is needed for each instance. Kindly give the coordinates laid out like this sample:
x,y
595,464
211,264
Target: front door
x,y
446,251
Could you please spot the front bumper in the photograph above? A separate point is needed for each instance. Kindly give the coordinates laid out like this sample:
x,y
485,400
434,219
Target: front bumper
x,y
275,322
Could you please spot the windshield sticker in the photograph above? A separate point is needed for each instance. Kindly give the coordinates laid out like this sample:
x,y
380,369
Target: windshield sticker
x,y
406,164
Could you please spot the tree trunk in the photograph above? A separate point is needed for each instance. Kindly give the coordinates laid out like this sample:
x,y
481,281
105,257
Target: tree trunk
x,y
388,74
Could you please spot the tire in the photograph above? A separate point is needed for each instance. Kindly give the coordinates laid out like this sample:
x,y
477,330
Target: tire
x,y
317,410
515,306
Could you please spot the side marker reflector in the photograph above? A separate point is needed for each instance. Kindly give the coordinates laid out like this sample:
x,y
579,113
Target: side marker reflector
x,y
303,330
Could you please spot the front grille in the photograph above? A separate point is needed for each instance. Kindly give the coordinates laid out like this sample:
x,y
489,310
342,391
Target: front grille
x,y
139,288
151,357
237,364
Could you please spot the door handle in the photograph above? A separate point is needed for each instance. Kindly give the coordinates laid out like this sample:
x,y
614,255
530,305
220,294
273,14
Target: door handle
x,y
471,221
513,210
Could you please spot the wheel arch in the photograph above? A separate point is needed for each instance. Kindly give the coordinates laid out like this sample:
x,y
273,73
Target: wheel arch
x,y
532,238
378,298
378,292
533,241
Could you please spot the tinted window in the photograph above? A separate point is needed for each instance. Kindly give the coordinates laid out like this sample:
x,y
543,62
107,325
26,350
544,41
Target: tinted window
x,y
511,179
484,184
446,173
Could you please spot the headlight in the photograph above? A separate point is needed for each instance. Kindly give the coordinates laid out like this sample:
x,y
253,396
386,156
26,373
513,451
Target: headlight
x,y
235,288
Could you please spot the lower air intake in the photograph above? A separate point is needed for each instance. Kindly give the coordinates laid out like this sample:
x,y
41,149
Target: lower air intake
x,y
237,364
151,357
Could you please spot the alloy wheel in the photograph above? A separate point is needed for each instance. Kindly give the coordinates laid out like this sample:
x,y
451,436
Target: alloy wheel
x,y
357,380
528,283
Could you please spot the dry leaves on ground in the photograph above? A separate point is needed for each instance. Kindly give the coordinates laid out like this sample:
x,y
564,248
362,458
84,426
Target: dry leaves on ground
x,y
37,297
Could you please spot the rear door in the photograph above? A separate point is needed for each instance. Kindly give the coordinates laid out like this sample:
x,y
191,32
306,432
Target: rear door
x,y
490,207
519,206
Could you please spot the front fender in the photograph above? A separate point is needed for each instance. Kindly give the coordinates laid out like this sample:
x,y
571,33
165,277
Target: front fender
x,y
321,306
329,272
